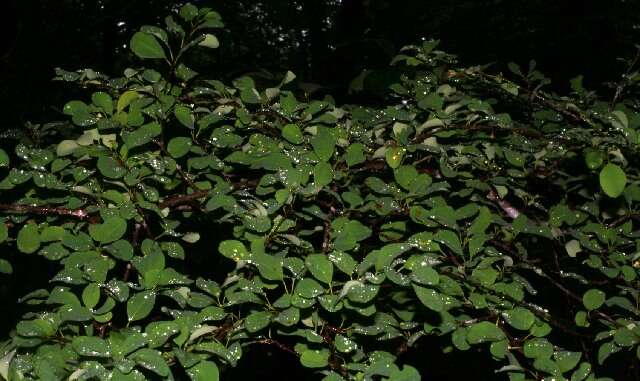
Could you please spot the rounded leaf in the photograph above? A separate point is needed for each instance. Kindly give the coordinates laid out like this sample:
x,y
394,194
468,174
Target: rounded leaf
x,y
234,250
204,371
140,305
394,156
612,180
520,318
484,331
145,45
91,346
314,358
110,167
179,146
322,174
320,267
292,133
593,299
112,229
28,238
210,41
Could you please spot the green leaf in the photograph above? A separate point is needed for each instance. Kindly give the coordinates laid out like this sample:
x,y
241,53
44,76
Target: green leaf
x,y
233,249
5,267
104,101
345,344
28,238
126,98
188,12
257,321
184,116
179,146
269,266
120,249
158,332
520,318
4,231
210,41
52,233
405,175
145,45
450,239
140,305
204,371
567,360
324,144
425,275
408,373
429,297
594,159
308,288
110,167
320,267
612,180
355,154
91,295
112,229
394,156
173,249
606,350
292,133
4,158
593,299
152,360
514,158
484,331
91,346
143,135
582,372
538,348
80,113
315,358
322,174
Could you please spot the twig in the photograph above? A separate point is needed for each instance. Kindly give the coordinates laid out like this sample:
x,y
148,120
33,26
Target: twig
x,y
44,210
277,344
509,209
621,220
181,199
182,174
621,85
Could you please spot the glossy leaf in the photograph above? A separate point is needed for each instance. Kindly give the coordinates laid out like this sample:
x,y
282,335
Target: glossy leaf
x,y
145,45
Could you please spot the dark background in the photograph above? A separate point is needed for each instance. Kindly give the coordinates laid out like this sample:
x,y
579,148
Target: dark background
x,y
324,41
327,42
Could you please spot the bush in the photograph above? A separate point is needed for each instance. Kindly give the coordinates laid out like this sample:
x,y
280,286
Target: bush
x,y
188,221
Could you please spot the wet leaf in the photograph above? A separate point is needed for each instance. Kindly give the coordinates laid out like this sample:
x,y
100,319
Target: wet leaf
x,y
140,305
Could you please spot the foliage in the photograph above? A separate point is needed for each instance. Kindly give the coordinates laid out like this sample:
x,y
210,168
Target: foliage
x,y
190,221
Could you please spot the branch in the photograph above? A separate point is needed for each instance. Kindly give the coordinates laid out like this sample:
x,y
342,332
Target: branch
x,y
44,210
182,199
509,209
277,344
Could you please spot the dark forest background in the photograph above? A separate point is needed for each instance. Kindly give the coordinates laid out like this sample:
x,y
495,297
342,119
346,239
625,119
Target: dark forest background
x,y
327,43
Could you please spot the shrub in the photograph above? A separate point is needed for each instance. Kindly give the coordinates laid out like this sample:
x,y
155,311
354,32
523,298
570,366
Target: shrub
x,y
189,221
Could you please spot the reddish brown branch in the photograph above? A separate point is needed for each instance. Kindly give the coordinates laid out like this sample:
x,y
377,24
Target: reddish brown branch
x,y
277,344
181,199
44,210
